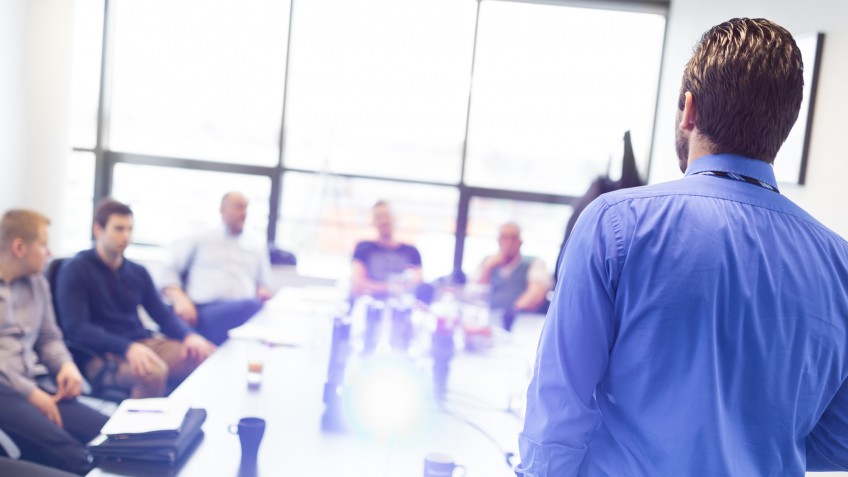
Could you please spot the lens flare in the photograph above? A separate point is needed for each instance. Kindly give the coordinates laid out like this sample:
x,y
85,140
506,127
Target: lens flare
x,y
387,397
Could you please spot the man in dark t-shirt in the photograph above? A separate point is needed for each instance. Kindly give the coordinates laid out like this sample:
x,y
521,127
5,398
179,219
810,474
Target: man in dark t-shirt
x,y
377,264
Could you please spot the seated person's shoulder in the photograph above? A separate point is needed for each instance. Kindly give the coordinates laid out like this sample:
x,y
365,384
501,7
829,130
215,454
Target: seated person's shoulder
x,y
364,247
411,250
538,271
136,269
76,264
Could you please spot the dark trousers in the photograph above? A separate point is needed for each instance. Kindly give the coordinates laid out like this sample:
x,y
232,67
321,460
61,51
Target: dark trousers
x,y
42,441
21,468
215,319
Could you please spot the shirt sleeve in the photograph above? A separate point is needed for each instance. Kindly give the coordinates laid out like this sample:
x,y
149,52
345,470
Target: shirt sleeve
x,y
175,269
414,256
15,380
361,252
538,273
72,299
168,323
827,445
50,345
573,352
264,278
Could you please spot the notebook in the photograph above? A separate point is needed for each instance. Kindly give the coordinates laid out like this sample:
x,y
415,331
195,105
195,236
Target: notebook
x,y
160,416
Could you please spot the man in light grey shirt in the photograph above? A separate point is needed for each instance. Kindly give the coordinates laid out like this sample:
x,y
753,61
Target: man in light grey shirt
x,y
219,279
49,428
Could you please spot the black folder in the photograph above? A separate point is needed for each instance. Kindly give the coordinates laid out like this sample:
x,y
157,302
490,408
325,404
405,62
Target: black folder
x,y
155,447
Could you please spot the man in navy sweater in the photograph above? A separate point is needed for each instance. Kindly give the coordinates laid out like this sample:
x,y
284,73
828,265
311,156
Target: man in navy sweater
x,y
98,293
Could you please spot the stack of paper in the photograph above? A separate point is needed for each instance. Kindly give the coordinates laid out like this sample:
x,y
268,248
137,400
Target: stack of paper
x,y
145,416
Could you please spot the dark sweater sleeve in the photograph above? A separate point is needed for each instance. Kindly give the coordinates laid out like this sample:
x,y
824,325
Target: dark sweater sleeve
x,y
169,324
414,256
73,291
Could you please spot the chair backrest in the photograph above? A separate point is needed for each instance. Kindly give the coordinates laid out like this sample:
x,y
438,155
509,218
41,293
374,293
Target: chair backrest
x,y
52,274
279,256
8,446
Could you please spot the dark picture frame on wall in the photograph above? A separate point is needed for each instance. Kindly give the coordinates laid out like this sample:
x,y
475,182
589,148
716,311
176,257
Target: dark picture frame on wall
x,y
790,165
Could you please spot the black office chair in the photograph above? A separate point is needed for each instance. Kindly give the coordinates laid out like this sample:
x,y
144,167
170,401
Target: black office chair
x,y
83,354
279,256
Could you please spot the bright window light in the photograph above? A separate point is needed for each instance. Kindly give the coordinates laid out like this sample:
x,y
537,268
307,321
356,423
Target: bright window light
x,y
380,87
554,90
199,79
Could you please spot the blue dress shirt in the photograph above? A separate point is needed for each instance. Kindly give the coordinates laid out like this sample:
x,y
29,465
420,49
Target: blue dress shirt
x,y
698,328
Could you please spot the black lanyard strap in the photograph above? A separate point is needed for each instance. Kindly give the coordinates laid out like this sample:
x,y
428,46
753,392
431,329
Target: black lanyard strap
x,y
741,178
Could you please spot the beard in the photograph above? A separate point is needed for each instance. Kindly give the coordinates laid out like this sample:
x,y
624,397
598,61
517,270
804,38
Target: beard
x,y
681,145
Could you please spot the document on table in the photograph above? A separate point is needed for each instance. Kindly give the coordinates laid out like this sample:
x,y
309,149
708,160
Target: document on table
x,y
145,416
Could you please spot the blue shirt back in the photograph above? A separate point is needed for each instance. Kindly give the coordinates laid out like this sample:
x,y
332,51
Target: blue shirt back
x,y
699,327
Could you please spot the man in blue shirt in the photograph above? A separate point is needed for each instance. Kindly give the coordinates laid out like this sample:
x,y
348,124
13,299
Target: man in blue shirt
x,y
98,293
699,326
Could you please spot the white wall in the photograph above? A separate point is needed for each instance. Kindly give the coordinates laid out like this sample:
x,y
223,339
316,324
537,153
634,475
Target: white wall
x,y
36,46
47,68
12,149
825,194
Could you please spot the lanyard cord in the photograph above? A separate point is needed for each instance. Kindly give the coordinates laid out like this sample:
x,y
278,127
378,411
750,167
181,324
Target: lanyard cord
x,y
739,177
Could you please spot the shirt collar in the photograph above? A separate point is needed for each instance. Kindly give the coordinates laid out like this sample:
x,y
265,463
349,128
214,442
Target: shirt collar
x,y
225,232
21,279
745,166
94,256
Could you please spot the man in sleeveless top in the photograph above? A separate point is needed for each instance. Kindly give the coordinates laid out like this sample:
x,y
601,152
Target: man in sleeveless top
x,y
518,282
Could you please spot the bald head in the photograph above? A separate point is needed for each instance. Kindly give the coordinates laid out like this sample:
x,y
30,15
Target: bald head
x,y
234,211
509,240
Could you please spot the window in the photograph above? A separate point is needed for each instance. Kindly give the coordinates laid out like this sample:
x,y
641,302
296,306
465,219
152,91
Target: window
x,y
554,90
199,79
169,204
323,217
542,229
374,99
74,221
380,87
88,45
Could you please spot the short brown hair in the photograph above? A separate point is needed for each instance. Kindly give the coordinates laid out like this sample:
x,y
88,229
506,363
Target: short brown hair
x,y
746,76
108,207
20,223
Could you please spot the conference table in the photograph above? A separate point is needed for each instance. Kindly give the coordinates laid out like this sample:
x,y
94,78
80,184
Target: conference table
x,y
393,421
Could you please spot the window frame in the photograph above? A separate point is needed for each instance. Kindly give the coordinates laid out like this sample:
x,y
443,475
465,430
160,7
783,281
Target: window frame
x,y
106,159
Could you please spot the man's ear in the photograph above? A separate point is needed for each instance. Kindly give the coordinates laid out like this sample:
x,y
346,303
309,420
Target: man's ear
x,y
18,247
687,117
97,230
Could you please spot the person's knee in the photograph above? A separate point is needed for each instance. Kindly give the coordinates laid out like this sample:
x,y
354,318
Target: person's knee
x,y
56,448
158,373
153,383
253,306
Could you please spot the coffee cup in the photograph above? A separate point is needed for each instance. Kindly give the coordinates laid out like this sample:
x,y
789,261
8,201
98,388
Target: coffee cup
x,y
250,431
438,464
